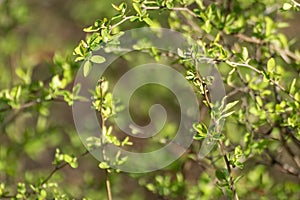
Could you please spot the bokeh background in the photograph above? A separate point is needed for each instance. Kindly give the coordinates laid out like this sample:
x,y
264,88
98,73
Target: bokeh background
x,y
32,33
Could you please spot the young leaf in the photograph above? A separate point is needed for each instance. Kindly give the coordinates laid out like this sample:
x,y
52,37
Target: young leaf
x,y
245,54
229,106
87,68
202,131
67,158
287,6
97,59
103,165
259,100
115,7
80,58
292,86
169,5
148,21
226,115
222,175
271,65
180,53
137,8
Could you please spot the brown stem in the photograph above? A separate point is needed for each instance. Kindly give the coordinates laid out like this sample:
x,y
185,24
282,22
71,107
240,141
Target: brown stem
x,y
108,188
227,163
57,168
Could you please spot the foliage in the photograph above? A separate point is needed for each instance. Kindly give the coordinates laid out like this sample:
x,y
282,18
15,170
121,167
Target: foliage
x,y
257,151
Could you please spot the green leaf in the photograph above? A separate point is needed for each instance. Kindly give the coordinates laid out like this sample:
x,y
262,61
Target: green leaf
x,y
151,187
287,6
229,106
245,54
97,59
137,8
259,100
226,115
91,29
202,131
207,26
74,163
126,142
43,194
80,58
68,158
271,65
2,187
56,83
269,26
238,178
148,21
103,165
87,68
169,5
180,53
115,7
292,86
221,174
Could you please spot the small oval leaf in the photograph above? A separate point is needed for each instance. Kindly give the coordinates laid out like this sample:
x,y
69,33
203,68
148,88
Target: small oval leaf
x,y
97,59
271,65
87,68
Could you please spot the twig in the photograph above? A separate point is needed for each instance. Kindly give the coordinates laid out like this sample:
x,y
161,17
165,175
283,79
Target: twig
x,y
119,23
244,65
231,181
57,168
103,119
295,3
216,124
284,167
185,9
108,188
283,52
288,149
261,73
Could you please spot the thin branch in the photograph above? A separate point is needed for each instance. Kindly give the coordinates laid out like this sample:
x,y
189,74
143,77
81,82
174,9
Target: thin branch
x,y
57,168
288,149
227,163
285,53
284,167
102,140
296,3
108,187
221,146
261,73
244,65
185,9
119,23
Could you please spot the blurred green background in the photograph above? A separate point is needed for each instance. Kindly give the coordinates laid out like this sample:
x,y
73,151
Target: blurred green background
x,y
32,32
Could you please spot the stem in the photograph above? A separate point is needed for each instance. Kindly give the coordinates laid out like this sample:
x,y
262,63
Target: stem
x,y
283,52
119,23
102,135
244,65
296,3
261,73
186,9
57,168
102,140
108,188
227,163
